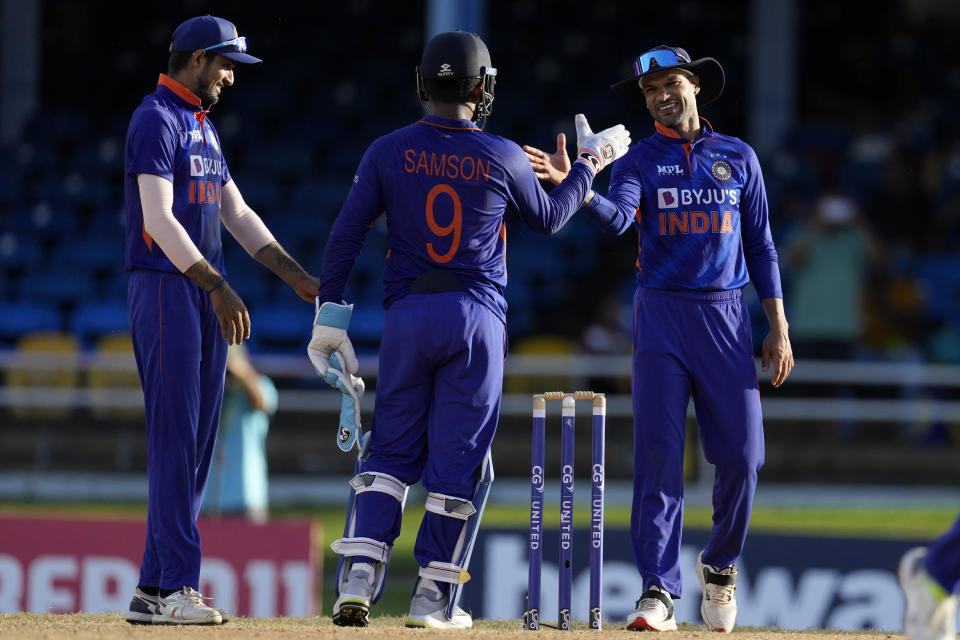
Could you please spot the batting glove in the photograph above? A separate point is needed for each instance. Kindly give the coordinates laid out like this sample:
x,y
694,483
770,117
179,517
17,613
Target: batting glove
x,y
352,388
600,149
330,333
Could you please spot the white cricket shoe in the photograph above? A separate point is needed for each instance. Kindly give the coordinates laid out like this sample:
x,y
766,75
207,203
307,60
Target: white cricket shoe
x,y
185,607
718,605
352,608
654,612
428,609
931,612
143,608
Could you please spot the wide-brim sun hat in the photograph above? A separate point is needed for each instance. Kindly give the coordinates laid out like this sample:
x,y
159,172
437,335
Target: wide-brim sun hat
x,y
662,58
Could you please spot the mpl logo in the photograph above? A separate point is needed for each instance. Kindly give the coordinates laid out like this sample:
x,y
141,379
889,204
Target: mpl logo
x,y
669,170
667,198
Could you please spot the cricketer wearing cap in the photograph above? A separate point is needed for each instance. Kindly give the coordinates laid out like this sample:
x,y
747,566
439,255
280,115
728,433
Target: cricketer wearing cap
x,y
445,187
697,200
182,311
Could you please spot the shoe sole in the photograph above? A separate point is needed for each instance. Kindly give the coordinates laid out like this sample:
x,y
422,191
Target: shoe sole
x,y
180,621
410,623
641,624
351,615
703,590
139,618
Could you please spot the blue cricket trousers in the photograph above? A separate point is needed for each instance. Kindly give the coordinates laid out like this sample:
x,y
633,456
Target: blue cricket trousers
x,y
692,344
438,401
181,357
943,559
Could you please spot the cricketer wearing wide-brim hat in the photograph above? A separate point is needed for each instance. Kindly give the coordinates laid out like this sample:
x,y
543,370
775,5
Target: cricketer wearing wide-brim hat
x,y
697,201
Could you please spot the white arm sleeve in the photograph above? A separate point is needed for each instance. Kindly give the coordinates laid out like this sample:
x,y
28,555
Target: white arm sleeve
x,y
156,200
242,222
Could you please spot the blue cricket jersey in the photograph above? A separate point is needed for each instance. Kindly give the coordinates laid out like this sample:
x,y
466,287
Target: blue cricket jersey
x,y
445,187
701,212
169,136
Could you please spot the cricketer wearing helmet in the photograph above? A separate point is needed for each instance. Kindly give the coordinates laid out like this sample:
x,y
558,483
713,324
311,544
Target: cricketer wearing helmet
x,y
182,311
445,187
697,200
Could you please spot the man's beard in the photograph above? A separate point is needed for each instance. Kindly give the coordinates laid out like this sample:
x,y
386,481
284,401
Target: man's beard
x,y
209,99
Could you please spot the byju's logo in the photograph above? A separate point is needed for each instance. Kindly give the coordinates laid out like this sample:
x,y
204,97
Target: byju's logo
x,y
667,198
196,166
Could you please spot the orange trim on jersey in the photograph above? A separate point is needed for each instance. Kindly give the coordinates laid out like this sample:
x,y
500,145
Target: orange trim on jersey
x,y
638,217
146,236
178,89
667,131
503,236
443,126
670,133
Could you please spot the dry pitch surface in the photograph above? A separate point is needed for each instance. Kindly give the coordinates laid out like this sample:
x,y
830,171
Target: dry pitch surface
x,y
112,627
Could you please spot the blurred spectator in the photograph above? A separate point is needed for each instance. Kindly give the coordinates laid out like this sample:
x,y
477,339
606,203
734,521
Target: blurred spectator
x,y
238,477
608,334
829,258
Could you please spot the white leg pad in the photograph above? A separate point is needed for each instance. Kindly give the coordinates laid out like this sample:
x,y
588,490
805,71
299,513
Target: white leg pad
x,y
450,506
444,572
366,547
382,482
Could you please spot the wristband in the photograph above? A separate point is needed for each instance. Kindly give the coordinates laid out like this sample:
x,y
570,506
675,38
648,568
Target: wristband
x,y
217,285
592,159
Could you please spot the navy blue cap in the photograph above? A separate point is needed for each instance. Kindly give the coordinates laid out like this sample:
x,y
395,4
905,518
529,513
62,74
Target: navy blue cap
x,y
212,34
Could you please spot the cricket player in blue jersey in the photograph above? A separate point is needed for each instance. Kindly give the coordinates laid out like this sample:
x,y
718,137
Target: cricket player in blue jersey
x,y
697,200
930,578
183,313
445,187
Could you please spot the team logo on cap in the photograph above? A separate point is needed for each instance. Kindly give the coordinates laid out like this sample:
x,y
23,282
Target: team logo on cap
x,y
721,170
445,70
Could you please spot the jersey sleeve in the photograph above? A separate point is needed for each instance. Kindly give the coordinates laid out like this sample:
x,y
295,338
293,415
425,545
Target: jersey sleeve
x,y
153,141
758,248
364,203
544,212
616,212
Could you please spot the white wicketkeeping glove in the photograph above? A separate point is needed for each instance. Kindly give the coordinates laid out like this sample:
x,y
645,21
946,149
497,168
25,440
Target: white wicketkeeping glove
x,y
330,334
600,149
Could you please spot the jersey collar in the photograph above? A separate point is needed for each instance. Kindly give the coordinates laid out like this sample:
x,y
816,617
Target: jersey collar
x,y
706,129
179,90
448,123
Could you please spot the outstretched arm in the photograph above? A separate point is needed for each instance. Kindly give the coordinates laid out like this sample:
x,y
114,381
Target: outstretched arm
x,y
546,213
275,258
247,227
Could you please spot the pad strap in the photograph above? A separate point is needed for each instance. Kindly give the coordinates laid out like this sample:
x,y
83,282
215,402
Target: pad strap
x,y
444,572
654,593
382,482
366,547
450,506
721,579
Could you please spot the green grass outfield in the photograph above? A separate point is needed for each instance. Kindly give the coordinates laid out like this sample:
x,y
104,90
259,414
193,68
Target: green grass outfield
x,y
921,523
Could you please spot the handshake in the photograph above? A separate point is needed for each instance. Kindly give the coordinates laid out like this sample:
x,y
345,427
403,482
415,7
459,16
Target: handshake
x,y
600,149
334,360
596,150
